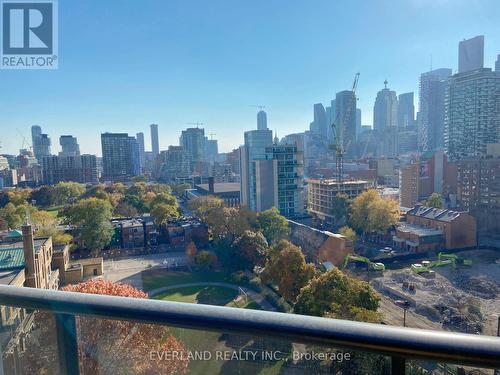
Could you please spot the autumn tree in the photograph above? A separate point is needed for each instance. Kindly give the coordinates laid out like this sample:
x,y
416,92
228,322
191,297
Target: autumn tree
x,y
14,215
205,259
204,206
92,217
286,267
43,196
124,209
336,295
162,213
348,233
435,201
106,346
274,226
370,212
191,251
249,250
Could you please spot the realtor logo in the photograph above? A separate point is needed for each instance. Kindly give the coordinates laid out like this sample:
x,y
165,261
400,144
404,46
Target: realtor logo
x,y
29,34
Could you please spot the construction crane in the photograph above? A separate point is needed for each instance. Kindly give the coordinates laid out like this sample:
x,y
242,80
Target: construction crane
x,y
338,130
198,124
212,135
25,141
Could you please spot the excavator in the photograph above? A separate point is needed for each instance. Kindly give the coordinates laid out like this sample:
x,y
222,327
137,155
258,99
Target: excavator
x,y
361,259
444,259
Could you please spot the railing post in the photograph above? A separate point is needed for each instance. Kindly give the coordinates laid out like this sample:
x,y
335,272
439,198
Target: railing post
x,y
67,344
398,365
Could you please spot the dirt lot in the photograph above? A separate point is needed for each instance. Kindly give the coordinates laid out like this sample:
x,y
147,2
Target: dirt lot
x,y
465,299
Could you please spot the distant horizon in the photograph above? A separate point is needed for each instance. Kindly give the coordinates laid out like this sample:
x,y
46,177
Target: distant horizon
x,y
181,63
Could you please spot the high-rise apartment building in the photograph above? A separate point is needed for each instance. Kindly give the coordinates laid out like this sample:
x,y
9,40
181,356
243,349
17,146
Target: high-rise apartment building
x,y
472,115
69,146
40,142
471,54
142,150
175,163
193,141
385,121
289,181
358,121
155,141
74,168
406,111
261,120
430,123
120,156
211,150
319,125
497,65
345,110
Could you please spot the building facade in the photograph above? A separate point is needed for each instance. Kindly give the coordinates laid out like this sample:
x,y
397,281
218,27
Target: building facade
x,y
385,122
120,156
81,168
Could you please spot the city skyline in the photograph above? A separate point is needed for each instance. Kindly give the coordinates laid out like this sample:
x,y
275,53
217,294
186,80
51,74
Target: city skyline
x,y
90,94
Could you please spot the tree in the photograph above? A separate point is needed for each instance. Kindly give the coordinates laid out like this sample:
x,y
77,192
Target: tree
x,y
370,212
124,209
106,346
435,200
15,215
340,208
204,205
348,233
92,218
43,196
19,197
273,225
205,259
163,213
66,192
180,189
58,237
334,294
249,250
286,267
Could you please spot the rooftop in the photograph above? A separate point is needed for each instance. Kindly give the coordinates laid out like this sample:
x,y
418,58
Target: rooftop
x,y
222,187
434,213
419,231
332,181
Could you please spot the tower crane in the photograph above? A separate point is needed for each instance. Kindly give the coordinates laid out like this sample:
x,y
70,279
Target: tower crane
x,y
338,130
198,124
261,107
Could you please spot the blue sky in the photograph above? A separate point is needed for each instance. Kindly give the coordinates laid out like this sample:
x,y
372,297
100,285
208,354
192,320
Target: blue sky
x,y
126,64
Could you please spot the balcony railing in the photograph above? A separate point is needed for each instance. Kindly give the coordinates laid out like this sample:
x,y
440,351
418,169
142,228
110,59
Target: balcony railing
x,y
399,346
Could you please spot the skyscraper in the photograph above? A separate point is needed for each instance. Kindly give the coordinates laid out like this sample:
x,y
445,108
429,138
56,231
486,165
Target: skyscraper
x,y
385,121
497,65
142,150
40,142
262,120
211,150
472,118
358,121
120,156
155,143
331,116
471,54
406,111
193,141
319,125
345,102
175,162
430,122
69,146
253,150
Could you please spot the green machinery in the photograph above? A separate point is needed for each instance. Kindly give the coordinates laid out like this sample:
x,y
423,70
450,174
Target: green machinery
x,y
361,259
455,259
443,260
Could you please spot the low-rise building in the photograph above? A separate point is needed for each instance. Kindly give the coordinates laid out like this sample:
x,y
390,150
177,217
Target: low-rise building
x,y
182,231
428,228
229,192
134,232
321,195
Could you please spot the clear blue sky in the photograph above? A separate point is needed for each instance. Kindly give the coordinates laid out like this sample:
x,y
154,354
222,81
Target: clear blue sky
x,y
126,64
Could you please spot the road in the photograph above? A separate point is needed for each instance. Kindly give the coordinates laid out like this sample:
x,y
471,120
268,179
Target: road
x,y
128,270
393,315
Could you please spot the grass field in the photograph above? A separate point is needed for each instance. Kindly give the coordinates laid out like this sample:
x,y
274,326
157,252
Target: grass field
x,y
207,295
153,279
54,211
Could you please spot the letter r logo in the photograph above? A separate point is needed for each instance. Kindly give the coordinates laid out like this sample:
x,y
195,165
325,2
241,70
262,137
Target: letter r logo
x,y
27,28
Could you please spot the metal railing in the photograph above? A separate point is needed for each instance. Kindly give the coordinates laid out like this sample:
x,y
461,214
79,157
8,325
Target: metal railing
x,y
399,343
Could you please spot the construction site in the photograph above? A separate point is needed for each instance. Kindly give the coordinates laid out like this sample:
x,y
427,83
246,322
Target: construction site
x,y
457,292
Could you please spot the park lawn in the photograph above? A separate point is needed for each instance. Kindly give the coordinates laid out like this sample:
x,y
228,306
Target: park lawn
x,y
54,211
207,295
152,279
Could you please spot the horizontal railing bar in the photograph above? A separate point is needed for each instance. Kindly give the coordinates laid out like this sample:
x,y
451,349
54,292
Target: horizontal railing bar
x,y
441,346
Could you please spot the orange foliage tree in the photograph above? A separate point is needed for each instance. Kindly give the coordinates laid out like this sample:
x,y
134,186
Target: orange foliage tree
x,y
108,346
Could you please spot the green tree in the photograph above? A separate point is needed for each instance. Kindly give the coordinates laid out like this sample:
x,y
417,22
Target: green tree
x,y
92,217
349,233
286,267
249,250
43,196
15,215
273,225
435,200
65,192
370,212
205,259
334,294
124,209
163,213
180,189
203,206
340,208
